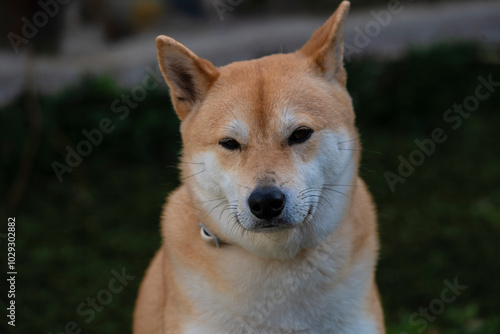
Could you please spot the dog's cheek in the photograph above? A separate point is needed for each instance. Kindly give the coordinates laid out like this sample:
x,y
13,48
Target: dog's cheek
x,y
209,176
294,182
212,178
334,155
308,184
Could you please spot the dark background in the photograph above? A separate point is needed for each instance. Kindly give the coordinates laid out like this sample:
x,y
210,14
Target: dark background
x,y
441,223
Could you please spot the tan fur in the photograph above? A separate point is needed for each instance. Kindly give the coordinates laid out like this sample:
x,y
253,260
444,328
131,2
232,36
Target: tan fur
x,y
316,277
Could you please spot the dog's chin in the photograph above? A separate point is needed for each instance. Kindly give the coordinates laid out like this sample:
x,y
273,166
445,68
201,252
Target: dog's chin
x,y
273,226
275,239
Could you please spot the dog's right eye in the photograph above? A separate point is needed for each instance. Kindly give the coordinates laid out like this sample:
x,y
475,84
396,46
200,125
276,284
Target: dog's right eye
x,y
230,144
300,135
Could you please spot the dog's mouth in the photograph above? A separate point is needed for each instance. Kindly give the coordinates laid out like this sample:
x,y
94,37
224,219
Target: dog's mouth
x,y
271,228
277,224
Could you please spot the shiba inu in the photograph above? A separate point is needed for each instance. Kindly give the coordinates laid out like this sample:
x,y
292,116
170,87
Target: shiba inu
x,y
272,230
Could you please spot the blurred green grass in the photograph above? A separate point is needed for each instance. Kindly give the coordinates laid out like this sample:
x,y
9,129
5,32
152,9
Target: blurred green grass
x,y
441,223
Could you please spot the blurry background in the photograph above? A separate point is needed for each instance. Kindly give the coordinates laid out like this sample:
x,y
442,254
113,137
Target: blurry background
x,y
81,77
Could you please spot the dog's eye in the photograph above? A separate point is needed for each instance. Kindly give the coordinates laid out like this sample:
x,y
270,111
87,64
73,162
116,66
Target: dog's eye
x,y
230,144
300,135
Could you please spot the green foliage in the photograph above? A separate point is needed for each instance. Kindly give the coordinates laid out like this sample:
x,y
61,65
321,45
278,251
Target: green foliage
x,y
439,224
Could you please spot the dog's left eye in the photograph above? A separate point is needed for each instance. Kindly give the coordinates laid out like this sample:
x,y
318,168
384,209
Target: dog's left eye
x,y
300,135
230,144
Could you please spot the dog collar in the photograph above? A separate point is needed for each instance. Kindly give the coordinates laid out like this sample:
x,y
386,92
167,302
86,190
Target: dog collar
x,y
208,236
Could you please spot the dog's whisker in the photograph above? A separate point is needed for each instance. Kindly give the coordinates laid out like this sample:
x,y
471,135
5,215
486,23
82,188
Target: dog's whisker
x,y
191,163
211,200
310,191
215,207
349,149
339,192
197,173
288,180
222,212
348,141
341,185
171,166
232,113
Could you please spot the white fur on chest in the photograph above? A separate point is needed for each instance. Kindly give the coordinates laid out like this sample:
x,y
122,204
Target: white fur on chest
x,y
363,326
311,296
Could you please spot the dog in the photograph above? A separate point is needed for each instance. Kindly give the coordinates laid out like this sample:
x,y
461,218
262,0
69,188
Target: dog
x,y
271,229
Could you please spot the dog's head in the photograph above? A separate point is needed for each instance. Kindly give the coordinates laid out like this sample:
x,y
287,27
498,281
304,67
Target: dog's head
x,y
270,147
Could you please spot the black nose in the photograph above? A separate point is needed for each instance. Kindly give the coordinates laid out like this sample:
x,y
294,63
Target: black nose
x,y
266,203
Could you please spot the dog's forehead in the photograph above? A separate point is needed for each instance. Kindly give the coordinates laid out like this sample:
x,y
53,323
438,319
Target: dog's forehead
x,y
262,87
275,92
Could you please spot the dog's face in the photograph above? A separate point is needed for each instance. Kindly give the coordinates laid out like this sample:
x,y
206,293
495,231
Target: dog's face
x,y
270,146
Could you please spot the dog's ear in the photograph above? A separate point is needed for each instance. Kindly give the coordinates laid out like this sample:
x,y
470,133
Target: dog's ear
x,y
326,46
188,76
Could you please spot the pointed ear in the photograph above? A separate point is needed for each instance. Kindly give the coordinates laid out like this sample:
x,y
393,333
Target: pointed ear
x,y
325,48
188,76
